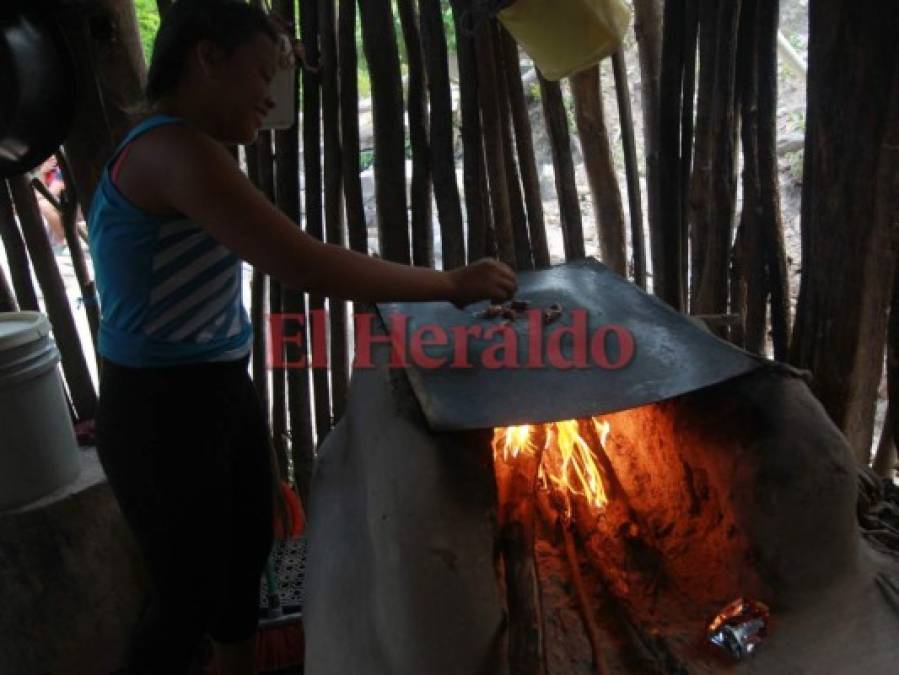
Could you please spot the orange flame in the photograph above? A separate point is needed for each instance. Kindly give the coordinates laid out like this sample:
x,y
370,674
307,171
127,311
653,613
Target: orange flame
x,y
569,463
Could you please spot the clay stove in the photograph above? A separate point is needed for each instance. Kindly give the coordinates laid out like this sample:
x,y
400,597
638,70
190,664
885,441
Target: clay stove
x,y
588,520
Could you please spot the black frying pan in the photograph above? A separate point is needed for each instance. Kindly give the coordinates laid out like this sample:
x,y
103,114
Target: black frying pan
x,y
37,86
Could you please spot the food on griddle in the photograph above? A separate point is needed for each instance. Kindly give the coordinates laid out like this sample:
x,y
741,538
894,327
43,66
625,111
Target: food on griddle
x,y
491,312
552,313
515,309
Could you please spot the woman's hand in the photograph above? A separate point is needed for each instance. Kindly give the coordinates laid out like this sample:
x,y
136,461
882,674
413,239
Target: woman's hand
x,y
485,279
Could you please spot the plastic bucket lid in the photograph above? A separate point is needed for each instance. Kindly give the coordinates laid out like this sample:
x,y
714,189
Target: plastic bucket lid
x,y
21,328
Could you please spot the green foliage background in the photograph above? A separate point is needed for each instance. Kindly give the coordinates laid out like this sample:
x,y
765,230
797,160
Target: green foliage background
x,y
148,22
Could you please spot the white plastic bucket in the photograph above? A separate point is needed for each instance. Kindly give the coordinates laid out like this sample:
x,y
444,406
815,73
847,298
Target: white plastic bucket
x,y
38,450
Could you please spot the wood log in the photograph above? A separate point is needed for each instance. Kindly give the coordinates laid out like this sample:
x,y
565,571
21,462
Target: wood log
x,y
443,163
16,254
850,191
104,40
349,126
768,13
687,137
493,146
524,144
379,42
65,333
607,210
523,256
648,30
312,174
477,206
632,171
516,488
339,364
417,110
563,167
585,606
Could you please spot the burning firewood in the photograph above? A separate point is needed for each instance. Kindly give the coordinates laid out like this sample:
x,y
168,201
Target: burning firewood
x,y
516,485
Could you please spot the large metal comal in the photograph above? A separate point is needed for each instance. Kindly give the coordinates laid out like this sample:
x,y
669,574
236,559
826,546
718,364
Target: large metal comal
x,y
671,354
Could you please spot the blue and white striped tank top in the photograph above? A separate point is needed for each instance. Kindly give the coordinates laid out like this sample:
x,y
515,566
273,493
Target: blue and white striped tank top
x,y
170,294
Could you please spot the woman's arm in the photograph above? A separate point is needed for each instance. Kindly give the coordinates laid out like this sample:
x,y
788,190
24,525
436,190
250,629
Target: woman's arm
x,y
194,175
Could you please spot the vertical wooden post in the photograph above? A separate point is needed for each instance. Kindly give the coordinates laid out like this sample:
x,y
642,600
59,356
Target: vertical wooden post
x,y
749,295
648,29
477,207
77,375
287,195
496,164
607,208
446,190
379,41
417,105
563,168
713,183
349,126
327,27
630,166
516,201
258,292
770,214
524,144
850,207
16,254
667,246
312,173
69,214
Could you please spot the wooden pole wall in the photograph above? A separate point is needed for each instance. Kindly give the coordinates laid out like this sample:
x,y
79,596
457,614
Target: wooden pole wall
x,y
417,110
443,164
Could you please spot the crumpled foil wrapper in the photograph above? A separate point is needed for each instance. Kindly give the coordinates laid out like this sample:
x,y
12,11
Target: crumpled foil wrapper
x,y
739,627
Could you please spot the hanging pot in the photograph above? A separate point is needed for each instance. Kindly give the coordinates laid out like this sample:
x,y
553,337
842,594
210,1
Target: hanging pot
x,y
37,86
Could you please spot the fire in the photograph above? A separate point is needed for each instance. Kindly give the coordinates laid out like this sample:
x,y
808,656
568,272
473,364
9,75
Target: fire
x,y
569,462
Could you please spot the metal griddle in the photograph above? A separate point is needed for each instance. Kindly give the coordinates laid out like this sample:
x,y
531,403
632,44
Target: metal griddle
x,y
672,355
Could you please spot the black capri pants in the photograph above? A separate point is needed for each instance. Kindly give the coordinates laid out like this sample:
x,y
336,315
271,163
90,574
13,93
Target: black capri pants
x,y
186,452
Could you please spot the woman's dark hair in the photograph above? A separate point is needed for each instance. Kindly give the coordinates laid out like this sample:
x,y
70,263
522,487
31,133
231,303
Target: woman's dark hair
x,y
226,23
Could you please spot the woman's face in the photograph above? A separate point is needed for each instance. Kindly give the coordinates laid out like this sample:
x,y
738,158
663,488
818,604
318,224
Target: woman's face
x,y
242,89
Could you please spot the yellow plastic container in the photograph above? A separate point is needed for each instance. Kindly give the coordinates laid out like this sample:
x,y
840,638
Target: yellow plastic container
x,y
565,36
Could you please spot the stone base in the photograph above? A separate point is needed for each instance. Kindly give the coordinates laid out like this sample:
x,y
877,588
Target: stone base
x,y
70,580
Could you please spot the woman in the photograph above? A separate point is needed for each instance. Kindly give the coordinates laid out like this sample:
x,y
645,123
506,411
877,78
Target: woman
x,y
179,428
